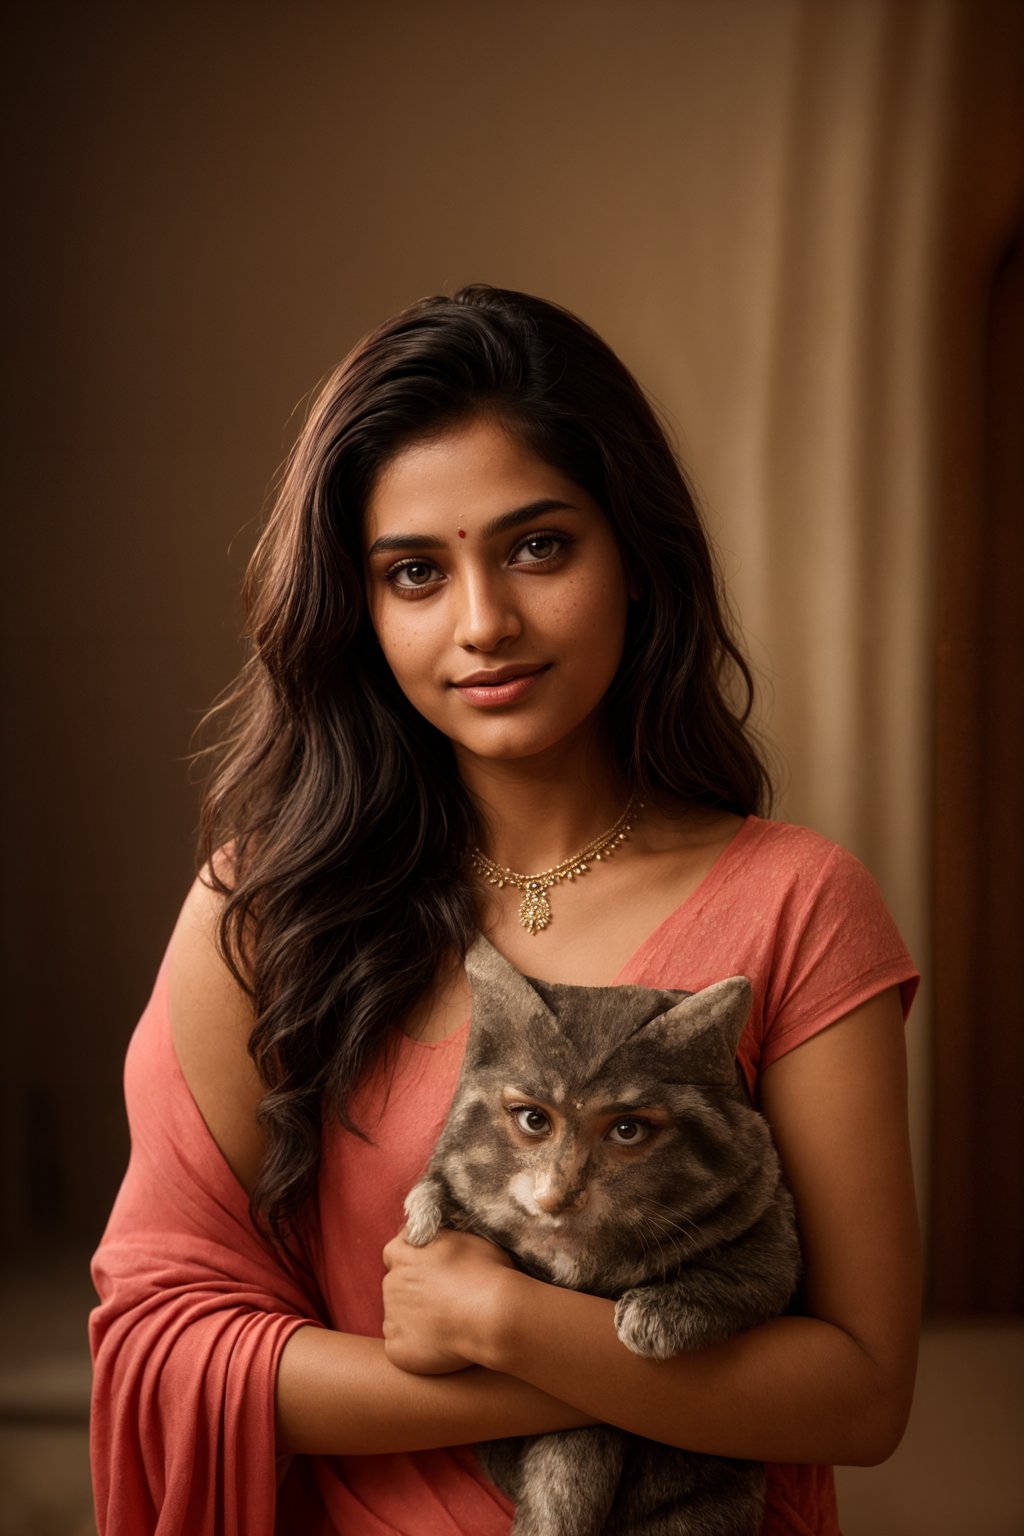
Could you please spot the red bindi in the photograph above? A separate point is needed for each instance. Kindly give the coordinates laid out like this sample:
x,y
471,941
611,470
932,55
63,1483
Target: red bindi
x,y
462,533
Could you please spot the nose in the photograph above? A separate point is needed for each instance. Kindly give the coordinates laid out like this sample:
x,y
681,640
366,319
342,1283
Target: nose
x,y
486,615
553,1194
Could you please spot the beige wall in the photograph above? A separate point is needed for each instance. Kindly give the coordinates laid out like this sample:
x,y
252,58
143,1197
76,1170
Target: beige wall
x,y
213,203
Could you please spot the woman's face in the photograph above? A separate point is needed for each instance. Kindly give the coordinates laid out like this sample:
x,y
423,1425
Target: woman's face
x,y
497,591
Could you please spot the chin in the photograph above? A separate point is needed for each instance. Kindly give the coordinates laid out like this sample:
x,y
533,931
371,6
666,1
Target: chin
x,y
507,751
520,740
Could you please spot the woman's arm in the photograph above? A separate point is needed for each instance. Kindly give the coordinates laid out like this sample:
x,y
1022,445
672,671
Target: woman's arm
x,y
832,1386
336,1393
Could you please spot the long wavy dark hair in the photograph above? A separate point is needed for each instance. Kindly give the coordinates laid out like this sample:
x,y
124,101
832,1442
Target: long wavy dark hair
x,y
334,823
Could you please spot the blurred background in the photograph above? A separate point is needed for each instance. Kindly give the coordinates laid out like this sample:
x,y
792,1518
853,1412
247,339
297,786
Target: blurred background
x,y
800,223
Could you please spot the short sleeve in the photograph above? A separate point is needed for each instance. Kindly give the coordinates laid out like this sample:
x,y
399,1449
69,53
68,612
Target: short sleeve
x,y
835,950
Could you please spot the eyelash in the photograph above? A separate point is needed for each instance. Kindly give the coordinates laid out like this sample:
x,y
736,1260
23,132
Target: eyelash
x,y
560,540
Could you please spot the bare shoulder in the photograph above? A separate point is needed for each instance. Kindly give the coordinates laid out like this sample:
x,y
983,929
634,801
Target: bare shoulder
x,y
211,1020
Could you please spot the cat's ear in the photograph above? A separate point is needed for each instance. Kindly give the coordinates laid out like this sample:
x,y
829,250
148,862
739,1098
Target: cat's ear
x,y
706,1027
501,992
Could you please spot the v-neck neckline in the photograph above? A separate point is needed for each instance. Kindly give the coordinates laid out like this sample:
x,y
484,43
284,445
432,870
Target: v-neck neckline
x,y
689,905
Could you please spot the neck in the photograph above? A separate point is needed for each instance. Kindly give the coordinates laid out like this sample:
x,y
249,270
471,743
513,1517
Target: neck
x,y
538,811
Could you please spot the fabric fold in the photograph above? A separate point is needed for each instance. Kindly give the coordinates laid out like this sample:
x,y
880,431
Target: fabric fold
x,y
195,1308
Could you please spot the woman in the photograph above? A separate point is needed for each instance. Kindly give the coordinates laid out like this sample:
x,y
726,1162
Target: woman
x,y
486,630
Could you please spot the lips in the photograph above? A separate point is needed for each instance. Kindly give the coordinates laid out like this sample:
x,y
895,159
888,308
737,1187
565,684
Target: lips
x,y
495,686
491,677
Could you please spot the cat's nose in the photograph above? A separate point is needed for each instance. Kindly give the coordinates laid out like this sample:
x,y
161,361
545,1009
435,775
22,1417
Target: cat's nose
x,y
552,1197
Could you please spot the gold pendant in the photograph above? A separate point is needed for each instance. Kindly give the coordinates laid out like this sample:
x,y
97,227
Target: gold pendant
x,y
535,909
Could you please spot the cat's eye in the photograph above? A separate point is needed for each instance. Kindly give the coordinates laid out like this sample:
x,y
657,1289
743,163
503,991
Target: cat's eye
x,y
533,1121
629,1133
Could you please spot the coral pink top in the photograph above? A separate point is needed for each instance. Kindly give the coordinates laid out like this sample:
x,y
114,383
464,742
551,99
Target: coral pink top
x,y
195,1308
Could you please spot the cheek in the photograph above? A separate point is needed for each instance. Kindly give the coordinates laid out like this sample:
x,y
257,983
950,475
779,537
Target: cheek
x,y
406,647
391,625
402,647
593,611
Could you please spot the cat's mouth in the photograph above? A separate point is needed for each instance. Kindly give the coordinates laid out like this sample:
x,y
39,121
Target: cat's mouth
x,y
567,1230
554,1228
572,1258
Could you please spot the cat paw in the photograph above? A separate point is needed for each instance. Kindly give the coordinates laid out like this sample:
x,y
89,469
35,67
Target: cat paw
x,y
643,1327
424,1213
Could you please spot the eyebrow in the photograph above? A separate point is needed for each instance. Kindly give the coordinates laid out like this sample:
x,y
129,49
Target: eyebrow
x,y
390,542
521,1089
648,1107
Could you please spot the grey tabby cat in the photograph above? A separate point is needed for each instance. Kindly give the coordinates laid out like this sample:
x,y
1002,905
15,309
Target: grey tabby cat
x,y
601,1136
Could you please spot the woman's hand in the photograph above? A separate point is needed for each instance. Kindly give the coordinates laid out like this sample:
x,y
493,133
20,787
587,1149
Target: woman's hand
x,y
438,1298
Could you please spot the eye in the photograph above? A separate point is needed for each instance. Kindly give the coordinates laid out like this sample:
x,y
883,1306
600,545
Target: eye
x,y
533,1122
629,1133
539,548
413,575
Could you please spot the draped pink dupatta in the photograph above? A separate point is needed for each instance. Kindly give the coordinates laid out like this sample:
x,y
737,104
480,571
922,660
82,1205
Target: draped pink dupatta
x,y
194,1311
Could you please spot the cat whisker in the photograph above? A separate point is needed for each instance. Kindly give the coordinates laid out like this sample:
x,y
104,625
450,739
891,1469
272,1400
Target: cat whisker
x,y
639,1229
647,1225
687,1228
652,1211
653,1220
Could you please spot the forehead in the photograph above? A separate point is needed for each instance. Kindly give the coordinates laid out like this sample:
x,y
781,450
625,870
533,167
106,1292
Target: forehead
x,y
475,472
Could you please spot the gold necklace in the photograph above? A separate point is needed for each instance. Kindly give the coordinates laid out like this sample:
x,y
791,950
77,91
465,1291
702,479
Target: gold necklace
x,y
535,908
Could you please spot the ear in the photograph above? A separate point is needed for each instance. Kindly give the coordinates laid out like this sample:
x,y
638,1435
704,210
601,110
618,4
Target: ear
x,y
706,1027
500,992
